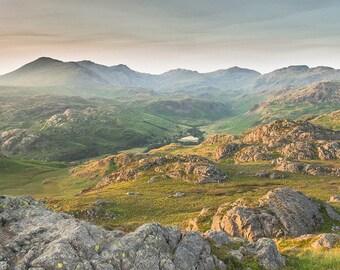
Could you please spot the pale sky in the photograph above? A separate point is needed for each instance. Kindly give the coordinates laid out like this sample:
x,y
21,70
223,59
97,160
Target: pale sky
x,y
158,35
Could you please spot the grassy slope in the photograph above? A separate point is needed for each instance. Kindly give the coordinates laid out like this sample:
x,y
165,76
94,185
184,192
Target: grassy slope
x,y
152,204
38,179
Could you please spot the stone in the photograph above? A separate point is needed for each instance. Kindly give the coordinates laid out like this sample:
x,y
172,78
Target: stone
x,y
298,213
330,211
217,239
264,249
50,240
226,150
281,212
179,195
99,203
153,180
326,240
236,254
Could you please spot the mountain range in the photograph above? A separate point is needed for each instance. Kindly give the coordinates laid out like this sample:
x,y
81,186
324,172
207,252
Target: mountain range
x,y
99,109
48,72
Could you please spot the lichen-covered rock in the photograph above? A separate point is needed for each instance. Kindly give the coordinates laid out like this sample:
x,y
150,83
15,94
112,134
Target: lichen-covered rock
x,y
286,165
17,140
126,167
329,150
33,237
282,132
217,238
218,139
300,151
267,254
326,240
253,153
226,150
304,150
281,212
250,223
298,213
330,211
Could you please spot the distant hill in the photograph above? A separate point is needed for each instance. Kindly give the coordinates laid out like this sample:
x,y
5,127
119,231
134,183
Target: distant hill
x,y
48,72
293,76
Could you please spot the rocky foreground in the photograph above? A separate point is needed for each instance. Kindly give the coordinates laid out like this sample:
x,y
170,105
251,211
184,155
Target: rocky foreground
x,y
33,237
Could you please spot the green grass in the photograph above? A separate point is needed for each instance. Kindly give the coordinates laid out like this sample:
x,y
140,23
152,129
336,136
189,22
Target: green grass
x,y
153,204
38,179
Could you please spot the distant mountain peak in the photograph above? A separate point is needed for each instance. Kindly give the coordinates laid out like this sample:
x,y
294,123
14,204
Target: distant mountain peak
x,y
121,67
44,60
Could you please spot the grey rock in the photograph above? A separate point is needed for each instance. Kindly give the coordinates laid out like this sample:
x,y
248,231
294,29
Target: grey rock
x,y
217,239
153,179
236,254
179,195
267,254
330,211
99,203
281,212
326,240
50,240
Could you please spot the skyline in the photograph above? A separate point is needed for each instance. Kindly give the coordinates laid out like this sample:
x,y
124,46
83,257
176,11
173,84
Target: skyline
x,y
157,36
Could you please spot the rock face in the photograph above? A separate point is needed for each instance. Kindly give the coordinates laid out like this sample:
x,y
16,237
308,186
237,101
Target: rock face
x,y
326,240
297,140
226,150
17,140
286,165
267,254
281,132
253,153
32,237
281,212
263,250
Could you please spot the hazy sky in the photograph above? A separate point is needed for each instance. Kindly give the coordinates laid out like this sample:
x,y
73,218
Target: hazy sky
x,y
158,35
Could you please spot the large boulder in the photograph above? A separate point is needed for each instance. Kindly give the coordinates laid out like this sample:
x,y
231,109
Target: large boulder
x,y
33,237
298,213
281,212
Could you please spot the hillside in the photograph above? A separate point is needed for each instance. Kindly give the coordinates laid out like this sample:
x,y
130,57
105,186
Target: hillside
x,y
37,126
47,72
331,120
295,76
216,185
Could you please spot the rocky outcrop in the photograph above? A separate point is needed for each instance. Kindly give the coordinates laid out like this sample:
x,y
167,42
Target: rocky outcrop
x,y
264,250
316,150
17,140
253,153
282,132
326,241
286,165
226,150
281,212
219,139
125,167
33,237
